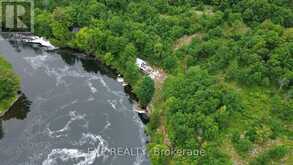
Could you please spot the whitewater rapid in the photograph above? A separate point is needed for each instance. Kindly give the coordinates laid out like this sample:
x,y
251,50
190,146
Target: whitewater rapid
x,y
77,113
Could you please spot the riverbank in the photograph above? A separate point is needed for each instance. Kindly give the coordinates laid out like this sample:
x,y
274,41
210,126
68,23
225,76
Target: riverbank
x,y
75,104
10,103
9,86
157,75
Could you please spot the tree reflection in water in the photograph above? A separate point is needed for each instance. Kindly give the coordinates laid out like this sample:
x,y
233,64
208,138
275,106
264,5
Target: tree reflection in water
x,y
18,111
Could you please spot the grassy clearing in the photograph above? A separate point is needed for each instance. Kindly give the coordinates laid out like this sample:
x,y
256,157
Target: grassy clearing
x,y
258,106
185,40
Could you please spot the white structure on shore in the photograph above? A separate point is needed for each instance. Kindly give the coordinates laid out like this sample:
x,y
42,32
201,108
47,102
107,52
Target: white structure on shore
x,y
146,68
35,40
121,80
40,40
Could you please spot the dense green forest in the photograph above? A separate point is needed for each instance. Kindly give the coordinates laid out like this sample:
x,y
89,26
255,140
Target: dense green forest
x,y
9,85
229,63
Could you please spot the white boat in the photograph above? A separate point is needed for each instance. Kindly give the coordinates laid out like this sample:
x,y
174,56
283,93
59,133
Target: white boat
x,y
42,41
36,40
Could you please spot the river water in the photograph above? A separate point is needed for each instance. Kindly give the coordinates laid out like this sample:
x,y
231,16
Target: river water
x,y
74,112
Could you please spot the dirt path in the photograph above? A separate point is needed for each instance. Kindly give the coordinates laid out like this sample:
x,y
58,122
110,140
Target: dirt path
x,y
185,40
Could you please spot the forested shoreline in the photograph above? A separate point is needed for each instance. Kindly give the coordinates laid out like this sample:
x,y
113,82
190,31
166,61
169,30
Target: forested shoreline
x,y
9,85
229,89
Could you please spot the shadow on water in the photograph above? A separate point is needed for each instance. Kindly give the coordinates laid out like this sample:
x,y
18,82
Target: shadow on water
x,y
92,65
18,111
89,64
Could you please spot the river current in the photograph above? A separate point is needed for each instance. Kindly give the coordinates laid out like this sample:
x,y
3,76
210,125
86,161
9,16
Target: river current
x,y
73,112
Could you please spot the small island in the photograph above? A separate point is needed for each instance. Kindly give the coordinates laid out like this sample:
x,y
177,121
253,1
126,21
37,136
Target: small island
x,y
9,86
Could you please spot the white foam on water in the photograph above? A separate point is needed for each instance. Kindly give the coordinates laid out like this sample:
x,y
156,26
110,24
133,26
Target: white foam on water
x,y
92,88
74,116
41,62
68,154
113,104
90,99
107,126
69,104
140,158
100,149
37,61
103,82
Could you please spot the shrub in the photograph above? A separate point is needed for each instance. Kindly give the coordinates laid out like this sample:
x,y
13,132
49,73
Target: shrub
x,y
144,90
276,153
9,82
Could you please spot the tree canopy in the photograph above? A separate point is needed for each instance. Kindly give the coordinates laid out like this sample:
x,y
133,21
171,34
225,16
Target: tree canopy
x,y
9,85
